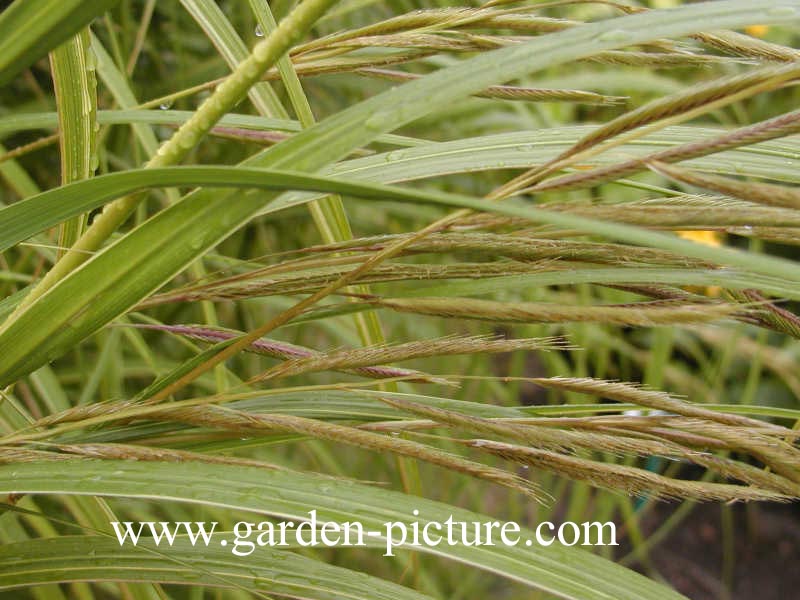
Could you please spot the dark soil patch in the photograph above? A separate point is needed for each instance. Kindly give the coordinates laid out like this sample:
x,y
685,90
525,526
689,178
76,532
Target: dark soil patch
x,y
766,552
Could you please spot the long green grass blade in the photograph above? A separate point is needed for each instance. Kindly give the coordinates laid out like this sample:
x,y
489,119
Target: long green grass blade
x,y
29,29
563,571
76,97
94,558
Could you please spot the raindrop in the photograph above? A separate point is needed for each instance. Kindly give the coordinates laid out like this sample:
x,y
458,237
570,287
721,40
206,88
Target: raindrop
x,y
91,60
259,32
615,35
375,122
166,105
395,155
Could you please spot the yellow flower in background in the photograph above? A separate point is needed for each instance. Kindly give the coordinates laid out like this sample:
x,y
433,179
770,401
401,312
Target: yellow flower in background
x,y
709,238
757,30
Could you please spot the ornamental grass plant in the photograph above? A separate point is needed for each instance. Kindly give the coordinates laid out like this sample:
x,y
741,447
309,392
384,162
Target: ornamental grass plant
x,y
398,261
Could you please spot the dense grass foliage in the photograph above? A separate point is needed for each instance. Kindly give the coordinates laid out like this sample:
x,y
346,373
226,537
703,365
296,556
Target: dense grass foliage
x,y
508,260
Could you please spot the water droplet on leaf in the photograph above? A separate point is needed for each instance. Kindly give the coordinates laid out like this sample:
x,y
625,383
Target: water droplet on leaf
x,y
375,122
615,35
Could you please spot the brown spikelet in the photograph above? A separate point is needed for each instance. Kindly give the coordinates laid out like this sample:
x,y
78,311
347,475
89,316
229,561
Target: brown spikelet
x,y
640,314
760,193
287,351
629,392
510,92
624,478
777,127
252,423
359,358
686,101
